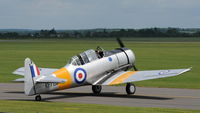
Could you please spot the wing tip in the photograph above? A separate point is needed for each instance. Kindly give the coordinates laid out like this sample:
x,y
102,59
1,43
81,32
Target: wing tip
x,y
186,70
190,68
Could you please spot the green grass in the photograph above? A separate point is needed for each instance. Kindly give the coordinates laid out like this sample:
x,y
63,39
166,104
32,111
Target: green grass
x,y
55,107
149,56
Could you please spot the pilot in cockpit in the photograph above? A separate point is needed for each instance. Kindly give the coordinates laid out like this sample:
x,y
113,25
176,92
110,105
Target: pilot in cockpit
x,y
99,52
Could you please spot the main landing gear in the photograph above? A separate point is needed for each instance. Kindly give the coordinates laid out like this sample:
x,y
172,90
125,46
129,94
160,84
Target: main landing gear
x,y
38,98
96,89
130,88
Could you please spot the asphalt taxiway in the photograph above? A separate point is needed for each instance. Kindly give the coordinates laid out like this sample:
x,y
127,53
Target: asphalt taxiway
x,y
112,95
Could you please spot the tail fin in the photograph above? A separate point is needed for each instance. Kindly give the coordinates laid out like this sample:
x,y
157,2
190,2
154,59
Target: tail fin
x,y
31,71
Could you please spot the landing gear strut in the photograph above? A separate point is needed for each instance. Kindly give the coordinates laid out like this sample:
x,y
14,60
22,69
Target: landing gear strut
x,y
130,88
38,98
96,89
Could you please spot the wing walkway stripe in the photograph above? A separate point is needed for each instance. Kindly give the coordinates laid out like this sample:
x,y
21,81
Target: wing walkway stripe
x,y
122,77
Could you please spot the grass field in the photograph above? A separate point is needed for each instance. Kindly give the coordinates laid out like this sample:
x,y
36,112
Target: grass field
x,y
149,56
55,107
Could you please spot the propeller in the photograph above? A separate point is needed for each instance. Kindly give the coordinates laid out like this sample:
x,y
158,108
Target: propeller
x,y
121,44
134,67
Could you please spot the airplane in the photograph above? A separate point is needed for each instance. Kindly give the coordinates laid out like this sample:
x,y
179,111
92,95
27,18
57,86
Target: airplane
x,y
92,67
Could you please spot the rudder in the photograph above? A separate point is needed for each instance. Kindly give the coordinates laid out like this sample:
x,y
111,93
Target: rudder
x,y
31,71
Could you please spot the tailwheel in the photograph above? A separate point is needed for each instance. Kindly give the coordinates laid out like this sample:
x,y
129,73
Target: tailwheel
x,y
96,89
130,88
38,98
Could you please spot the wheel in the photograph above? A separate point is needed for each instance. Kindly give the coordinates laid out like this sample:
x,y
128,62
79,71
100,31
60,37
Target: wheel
x,y
38,98
96,89
130,88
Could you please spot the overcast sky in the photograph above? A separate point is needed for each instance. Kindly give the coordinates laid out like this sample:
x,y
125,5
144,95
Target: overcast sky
x,y
87,14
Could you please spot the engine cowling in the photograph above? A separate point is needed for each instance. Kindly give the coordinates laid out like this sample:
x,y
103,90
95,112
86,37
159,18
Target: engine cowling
x,y
125,57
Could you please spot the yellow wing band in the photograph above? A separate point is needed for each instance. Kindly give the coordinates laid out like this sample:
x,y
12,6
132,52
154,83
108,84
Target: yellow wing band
x,y
122,77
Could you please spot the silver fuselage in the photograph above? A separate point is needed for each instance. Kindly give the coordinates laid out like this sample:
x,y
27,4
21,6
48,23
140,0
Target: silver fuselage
x,y
90,73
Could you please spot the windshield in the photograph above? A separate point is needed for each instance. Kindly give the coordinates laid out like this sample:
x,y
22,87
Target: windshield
x,y
74,61
83,58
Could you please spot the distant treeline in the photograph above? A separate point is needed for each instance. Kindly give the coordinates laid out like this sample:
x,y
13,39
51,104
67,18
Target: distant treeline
x,y
106,33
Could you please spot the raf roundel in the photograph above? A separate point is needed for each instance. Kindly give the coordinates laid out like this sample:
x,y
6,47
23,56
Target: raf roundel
x,y
110,59
80,75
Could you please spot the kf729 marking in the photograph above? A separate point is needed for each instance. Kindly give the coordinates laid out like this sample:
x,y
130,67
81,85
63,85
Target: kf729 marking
x,y
92,67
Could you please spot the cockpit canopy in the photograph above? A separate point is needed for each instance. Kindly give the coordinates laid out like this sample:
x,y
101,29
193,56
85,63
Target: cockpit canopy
x,y
92,55
83,58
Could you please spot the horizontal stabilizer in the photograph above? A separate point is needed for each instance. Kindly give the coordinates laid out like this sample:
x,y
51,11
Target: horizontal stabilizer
x,y
49,79
43,71
19,80
19,71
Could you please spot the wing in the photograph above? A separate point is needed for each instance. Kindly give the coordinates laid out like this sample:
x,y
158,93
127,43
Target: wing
x,y
43,71
132,76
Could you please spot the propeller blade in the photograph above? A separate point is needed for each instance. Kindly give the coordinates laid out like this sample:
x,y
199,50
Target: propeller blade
x,y
134,67
122,46
120,42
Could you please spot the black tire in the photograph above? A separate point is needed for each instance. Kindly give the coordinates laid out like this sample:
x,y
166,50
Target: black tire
x,y
96,89
38,98
130,88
